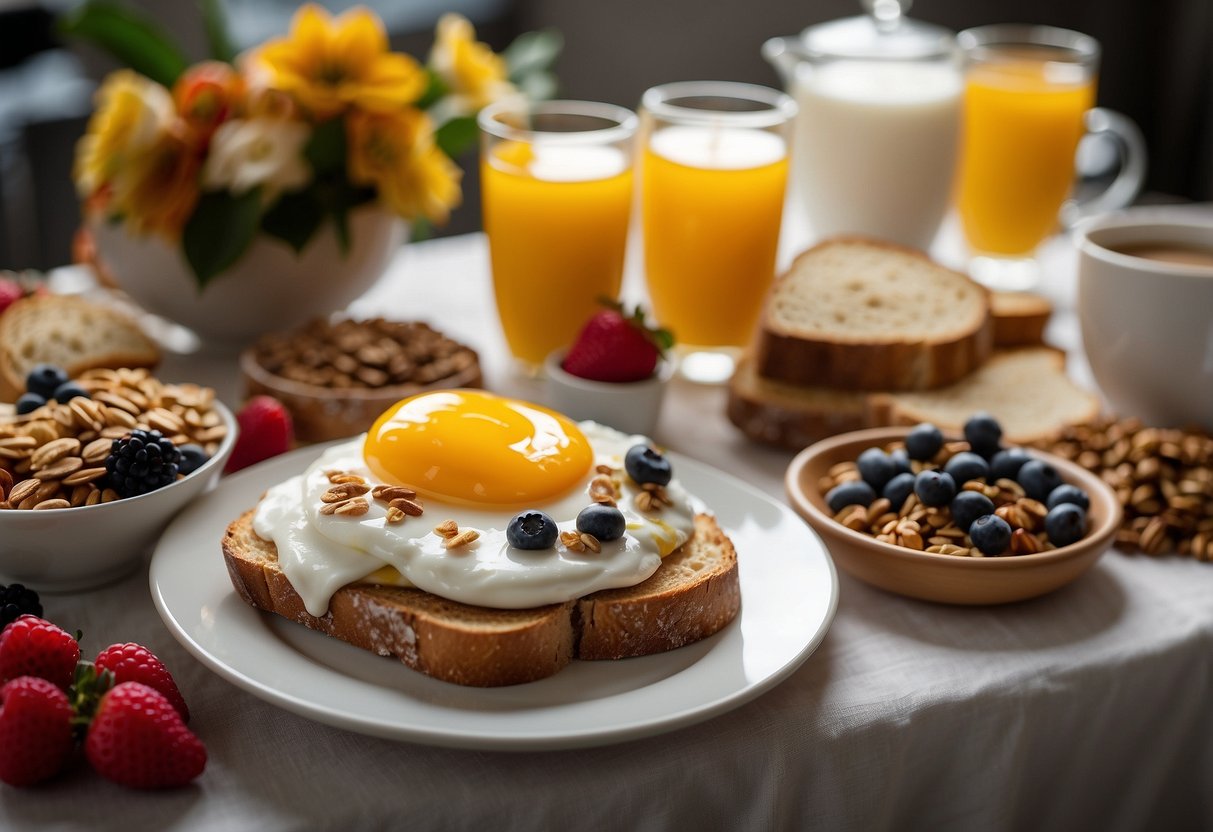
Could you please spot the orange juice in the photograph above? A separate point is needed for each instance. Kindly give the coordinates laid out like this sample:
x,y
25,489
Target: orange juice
x,y
1022,123
712,204
557,221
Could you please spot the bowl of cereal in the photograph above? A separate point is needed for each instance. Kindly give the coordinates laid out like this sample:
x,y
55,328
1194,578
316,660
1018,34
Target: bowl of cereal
x,y
952,521
88,485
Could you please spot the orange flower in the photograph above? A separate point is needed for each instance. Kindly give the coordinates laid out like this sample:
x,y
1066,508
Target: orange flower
x,y
206,95
396,153
157,190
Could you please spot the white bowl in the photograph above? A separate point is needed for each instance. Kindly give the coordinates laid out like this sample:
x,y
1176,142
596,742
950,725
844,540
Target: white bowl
x,y
70,549
632,407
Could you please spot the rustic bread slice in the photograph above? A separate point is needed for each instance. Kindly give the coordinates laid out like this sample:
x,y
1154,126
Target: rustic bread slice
x,y
1027,390
860,314
69,332
693,594
1019,318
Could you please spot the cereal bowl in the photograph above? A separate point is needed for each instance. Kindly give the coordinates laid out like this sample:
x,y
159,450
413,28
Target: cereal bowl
x,y
72,549
946,578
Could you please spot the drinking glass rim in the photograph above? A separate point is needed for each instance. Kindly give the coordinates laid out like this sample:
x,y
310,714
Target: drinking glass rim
x,y
624,127
1083,47
779,107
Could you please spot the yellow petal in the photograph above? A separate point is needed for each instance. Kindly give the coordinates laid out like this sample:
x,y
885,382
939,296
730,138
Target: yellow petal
x,y
358,40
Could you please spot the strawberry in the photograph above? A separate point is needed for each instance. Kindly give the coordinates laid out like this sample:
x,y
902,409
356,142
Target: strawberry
x,y
266,430
35,731
616,346
132,662
31,646
137,739
10,292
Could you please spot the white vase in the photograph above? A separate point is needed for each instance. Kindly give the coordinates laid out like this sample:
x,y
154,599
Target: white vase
x,y
270,288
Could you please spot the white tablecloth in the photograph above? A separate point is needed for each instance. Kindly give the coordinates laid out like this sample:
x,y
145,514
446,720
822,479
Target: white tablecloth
x,y
1086,709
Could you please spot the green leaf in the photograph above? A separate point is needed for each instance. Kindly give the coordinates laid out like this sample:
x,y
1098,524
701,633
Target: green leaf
x,y
435,89
220,230
325,150
532,52
456,136
294,219
129,37
218,39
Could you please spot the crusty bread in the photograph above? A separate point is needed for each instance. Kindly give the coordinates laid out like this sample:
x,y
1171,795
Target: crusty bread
x,y
860,314
1019,318
70,332
693,594
1027,390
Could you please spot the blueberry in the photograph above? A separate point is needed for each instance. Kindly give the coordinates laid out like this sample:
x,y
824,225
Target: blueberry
x,y
924,441
603,521
966,466
1065,524
1066,493
646,465
990,534
1005,464
898,489
983,434
29,402
854,493
69,390
901,461
531,529
44,378
968,506
193,457
1038,479
935,488
876,468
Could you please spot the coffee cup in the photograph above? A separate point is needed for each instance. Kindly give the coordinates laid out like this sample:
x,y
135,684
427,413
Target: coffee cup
x,y
1145,308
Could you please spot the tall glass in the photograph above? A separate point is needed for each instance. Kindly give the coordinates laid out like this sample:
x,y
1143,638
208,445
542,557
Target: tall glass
x,y
556,182
714,172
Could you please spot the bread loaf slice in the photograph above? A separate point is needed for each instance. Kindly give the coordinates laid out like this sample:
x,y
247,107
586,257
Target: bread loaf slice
x,y
1019,318
1027,390
859,314
69,332
694,593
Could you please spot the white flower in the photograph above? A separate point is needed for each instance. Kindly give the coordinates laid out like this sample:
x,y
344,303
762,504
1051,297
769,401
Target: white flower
x,y
245,153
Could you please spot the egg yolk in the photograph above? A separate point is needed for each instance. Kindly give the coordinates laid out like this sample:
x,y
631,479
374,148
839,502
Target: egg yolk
x,y
468,446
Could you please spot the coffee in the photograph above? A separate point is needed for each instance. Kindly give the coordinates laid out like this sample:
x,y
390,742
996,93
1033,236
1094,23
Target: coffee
x,y
1179,253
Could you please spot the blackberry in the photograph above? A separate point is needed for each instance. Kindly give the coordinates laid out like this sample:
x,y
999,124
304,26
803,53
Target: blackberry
x,y
16,600
140,462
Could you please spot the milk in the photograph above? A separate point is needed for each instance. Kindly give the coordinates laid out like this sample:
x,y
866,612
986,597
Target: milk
x,y
875,147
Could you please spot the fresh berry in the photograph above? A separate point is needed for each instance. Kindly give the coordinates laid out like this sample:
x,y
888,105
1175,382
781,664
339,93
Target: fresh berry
x,y
853,493
141,462
28,403
137,739
192,458
266,430
532,529
646,465
44,379
1038,479
69,390
616,346
967,506
990,534
935,488
604,522
1065,524
17,600
966,466
1066,493
132,662
924,441
1005,464
984,434
31,646
901,461
898,489
10,293
35,730
876,468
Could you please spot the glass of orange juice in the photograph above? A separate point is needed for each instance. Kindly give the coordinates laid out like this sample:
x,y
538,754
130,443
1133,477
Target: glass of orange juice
x,y
713,174
1028,101
556,191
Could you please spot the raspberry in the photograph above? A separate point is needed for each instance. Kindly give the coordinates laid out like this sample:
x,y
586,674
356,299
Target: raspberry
x,y
141,462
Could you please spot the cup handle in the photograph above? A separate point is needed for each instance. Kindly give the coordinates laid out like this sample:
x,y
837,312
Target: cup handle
x,y
1128,182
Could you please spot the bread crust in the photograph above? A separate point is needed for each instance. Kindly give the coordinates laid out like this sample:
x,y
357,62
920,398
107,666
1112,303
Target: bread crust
x,y
481,647
1019,318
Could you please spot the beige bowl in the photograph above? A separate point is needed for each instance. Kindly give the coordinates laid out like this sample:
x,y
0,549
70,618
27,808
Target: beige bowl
x,y
945,578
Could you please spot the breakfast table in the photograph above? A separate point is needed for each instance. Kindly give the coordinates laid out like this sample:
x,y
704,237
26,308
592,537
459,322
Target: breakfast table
x,y
1087,708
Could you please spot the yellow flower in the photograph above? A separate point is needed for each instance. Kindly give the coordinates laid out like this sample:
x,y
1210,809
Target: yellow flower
x,y
473,73
132,114
396,153
157,190
329,65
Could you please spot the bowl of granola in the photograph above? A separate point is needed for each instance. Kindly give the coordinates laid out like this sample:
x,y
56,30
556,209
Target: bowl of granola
x,y
87,485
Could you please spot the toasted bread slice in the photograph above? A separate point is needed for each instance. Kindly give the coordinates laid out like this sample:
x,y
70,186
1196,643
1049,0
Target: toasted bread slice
x,y
693,594
859,314
1019,318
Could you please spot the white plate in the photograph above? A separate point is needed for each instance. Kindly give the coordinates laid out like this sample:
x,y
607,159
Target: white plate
x,y
789,591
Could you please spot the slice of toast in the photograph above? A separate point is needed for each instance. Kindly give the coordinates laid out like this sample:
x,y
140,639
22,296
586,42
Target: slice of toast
x,y
694,593
1019,318
858,314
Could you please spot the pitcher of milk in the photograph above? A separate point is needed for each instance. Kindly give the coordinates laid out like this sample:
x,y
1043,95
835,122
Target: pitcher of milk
x,y
876,136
